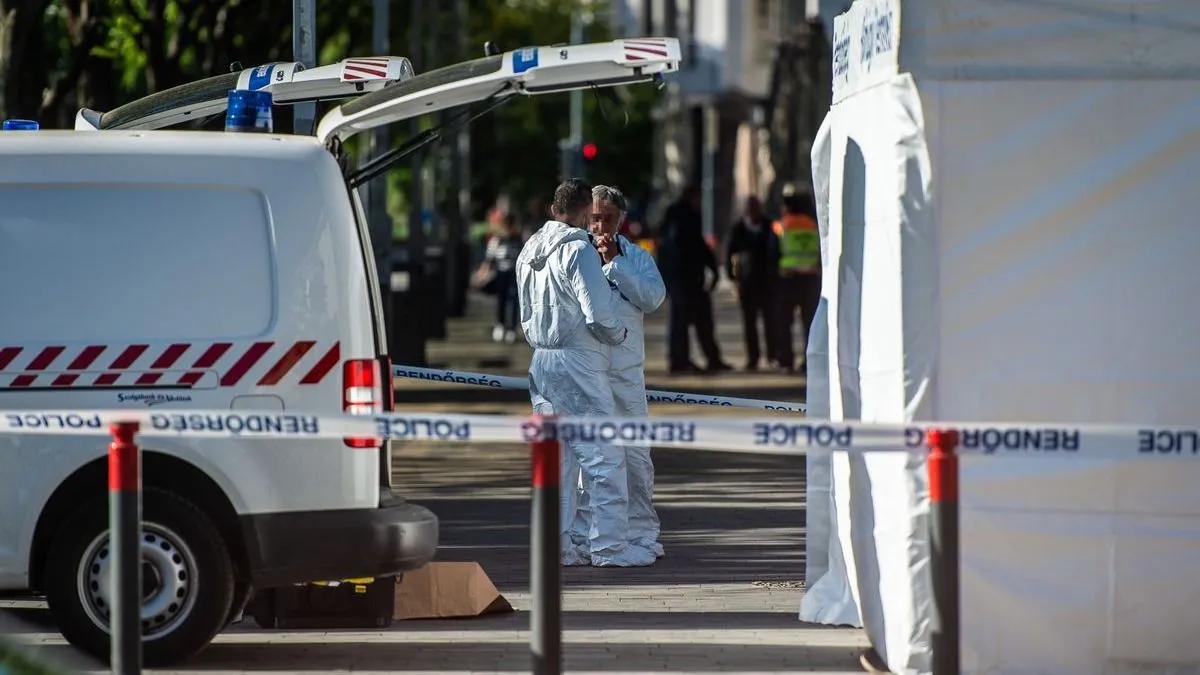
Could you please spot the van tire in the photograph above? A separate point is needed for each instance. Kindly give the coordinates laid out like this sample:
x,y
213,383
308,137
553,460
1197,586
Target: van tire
x,y
193,550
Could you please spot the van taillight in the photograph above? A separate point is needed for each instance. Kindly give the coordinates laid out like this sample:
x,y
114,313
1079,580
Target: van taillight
x,y
362,394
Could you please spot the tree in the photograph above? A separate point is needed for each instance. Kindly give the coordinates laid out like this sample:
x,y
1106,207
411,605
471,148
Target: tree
x,y
59,55
158,44
45,48
515,149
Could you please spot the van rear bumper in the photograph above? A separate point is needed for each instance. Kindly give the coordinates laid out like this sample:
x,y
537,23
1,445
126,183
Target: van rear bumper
x,y
302,546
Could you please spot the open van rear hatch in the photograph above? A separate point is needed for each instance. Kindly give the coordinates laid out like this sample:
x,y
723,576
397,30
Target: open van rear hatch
x,y
289,83
386,89
533,70
492,81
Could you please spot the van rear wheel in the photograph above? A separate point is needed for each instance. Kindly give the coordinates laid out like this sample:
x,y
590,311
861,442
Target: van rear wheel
x,y
187,579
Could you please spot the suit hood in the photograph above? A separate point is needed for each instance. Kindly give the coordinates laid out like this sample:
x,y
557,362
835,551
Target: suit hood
x,y
546,240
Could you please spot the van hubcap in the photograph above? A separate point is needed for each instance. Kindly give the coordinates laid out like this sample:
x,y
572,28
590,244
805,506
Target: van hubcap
x,y
168,581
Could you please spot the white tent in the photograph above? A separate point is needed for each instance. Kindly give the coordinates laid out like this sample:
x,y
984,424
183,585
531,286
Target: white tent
x,y
1010,235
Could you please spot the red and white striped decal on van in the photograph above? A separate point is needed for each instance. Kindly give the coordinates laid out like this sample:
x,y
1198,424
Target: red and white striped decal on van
x,y
641,49
182,365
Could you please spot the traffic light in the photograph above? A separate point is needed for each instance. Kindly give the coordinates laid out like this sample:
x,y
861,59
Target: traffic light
x,y
575,157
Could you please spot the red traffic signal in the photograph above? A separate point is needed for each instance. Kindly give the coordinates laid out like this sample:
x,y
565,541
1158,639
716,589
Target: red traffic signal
x,y
589,151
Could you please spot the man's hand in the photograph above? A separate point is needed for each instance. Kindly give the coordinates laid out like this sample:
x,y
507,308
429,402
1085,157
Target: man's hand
x,y
607,245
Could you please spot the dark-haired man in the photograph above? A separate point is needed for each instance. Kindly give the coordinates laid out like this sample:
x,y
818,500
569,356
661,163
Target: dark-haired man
x,y
568,314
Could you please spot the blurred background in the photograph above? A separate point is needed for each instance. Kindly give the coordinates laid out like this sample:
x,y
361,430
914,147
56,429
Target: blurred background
x,y
737,121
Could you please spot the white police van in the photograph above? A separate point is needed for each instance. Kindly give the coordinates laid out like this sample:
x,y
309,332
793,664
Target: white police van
x,y
151,268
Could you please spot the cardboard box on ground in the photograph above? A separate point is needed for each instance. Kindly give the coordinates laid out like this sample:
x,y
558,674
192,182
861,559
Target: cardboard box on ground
x,y
444,590
439,590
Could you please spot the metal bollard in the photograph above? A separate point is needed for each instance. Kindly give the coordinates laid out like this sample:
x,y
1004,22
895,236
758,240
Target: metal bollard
x,y
545,639
125,533
944,551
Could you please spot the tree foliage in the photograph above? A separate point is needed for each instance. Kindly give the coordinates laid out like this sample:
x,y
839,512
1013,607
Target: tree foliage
x,y
59,55
516,148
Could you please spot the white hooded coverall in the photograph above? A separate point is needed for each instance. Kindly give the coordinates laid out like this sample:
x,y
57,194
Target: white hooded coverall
x,y
641,291
568,315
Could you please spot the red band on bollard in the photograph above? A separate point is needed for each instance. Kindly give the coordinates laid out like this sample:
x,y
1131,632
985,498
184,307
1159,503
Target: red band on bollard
x,y
545,463
545,456
124,461
943,465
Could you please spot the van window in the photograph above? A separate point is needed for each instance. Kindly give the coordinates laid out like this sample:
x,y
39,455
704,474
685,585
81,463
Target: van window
x,y
134,262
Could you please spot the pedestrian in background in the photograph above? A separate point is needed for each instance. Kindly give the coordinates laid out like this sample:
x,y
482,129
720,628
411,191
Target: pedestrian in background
x,y
686,260
569,317
501,256
752,263
632,270
535,215
799,285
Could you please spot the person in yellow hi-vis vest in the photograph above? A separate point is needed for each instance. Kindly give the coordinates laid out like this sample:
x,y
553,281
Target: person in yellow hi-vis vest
x,y
799,283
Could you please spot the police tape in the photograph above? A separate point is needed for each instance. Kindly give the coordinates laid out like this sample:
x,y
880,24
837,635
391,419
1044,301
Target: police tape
x,y
770,435
652,395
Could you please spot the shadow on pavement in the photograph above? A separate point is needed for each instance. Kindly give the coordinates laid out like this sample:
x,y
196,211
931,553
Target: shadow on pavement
x,y
28,620
618,620
474,395
726,518
505,650
513,656
443,395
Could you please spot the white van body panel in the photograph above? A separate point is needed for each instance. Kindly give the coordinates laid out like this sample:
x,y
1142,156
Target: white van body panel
x,y
178,270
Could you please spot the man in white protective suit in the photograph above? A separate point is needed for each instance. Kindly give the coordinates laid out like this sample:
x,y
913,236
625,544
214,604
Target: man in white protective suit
x,y
634,273
569,316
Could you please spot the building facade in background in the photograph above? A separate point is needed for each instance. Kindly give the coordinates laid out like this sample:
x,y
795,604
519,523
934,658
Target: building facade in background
x,y
735,119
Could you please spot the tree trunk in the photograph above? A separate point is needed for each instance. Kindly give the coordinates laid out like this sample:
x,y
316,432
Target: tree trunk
x,y
85,30
22,72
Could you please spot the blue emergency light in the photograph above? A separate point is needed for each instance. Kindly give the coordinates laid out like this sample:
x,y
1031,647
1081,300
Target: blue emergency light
x,y
21,125
248,110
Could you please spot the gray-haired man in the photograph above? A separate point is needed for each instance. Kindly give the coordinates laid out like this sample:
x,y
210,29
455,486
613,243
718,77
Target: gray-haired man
x,y
633,272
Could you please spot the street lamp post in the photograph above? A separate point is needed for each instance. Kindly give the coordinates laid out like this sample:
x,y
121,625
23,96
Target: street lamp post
x,y
304,50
